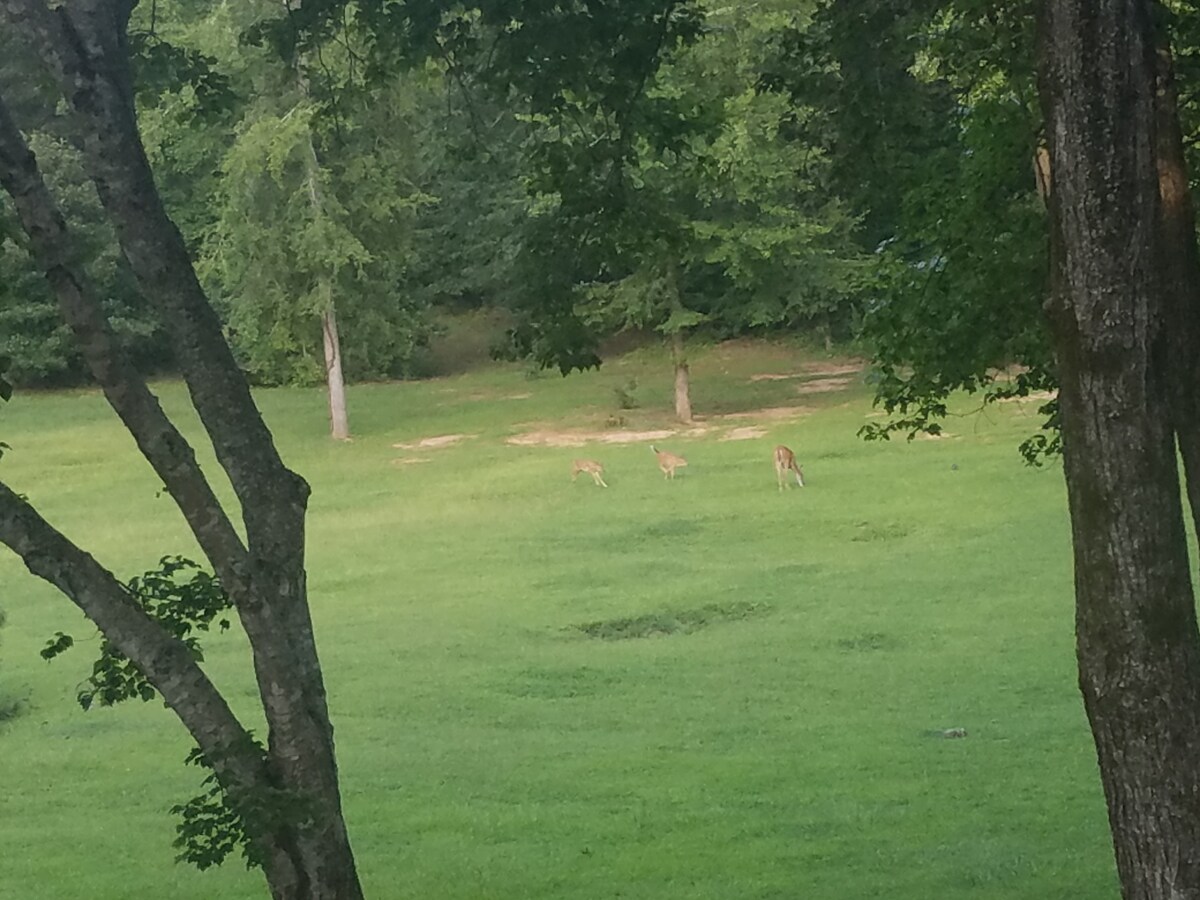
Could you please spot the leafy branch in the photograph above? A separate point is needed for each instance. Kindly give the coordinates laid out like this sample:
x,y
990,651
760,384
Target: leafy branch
x,y
178,595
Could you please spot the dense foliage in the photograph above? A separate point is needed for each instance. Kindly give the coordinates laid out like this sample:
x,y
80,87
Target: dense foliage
x,y
851,168
636,170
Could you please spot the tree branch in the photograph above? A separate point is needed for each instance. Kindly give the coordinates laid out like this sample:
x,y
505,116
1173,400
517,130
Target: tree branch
x,y
167,451
81,42
164,660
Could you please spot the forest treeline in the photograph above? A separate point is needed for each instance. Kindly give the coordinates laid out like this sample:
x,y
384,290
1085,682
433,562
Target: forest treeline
x,y
860,169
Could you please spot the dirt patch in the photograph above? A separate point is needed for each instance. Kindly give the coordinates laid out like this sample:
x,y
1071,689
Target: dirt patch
x,y
772,413
433,443
822,385
524,396
745,433
767,376
939,436
815,369
581,438
410,460
850,367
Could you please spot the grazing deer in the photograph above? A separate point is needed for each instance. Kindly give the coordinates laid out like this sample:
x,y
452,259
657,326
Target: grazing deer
x,y
668,462
590,466
785,459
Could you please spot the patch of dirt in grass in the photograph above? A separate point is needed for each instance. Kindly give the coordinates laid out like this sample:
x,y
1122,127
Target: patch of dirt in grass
x,y
549,438
745,433
524,396
849,367
822,386
939,436
411,460
661,624
818,369
771,413
434,443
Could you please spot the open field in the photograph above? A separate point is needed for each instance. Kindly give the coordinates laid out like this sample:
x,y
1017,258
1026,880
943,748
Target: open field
x,y
757,715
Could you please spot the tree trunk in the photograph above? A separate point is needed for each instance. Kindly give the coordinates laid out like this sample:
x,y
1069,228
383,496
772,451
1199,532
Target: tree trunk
x,y
1137,643
339,422
1180,269
84,42
683,396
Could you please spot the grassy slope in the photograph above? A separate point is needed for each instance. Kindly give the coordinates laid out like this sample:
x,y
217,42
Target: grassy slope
x,y
490,751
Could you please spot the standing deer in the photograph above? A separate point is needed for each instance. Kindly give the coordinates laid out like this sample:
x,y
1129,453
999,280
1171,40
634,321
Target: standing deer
x,y
590,466
668,462
785,459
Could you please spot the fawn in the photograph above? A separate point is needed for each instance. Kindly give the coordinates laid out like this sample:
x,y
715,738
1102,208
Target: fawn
x,y
590,466
668,462
785,459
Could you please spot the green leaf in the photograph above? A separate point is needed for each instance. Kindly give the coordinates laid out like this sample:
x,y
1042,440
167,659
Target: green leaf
x,y
56,645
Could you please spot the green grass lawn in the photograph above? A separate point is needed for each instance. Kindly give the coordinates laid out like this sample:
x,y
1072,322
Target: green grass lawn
x,y
774,731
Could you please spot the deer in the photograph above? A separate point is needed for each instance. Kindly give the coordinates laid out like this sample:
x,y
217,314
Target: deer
x,y
591,467
668,462
785,459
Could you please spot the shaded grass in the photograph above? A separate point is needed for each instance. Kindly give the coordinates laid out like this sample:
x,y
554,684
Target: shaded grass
x,y
683,621
489,749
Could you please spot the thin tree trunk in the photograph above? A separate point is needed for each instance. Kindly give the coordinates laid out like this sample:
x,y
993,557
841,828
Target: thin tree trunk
x,y
1180,268
339,422
683,386
683,397
1137,644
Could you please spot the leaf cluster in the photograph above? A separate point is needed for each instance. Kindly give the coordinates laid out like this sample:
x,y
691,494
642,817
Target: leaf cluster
x,y
179,595
935,136
215,822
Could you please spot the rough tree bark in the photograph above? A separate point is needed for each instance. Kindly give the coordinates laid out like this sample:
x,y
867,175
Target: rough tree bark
x,y
1115,307
683,392
309,855
1180,268
683,385
339,420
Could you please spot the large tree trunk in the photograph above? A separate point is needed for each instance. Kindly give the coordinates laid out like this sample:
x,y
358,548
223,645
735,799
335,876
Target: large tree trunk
x,y
84,44
683,388
1137,642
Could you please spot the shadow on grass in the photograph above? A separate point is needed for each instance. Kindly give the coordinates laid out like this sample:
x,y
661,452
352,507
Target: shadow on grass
x,y
684,621
561,683
870,640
